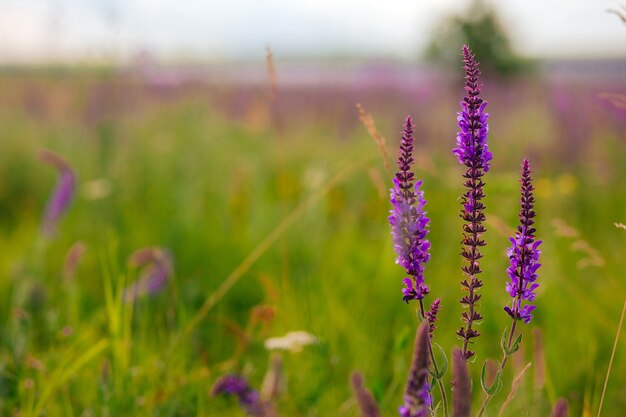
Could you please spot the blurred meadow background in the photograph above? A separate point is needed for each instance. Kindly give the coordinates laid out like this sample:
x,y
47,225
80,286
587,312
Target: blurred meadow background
x,y
248,180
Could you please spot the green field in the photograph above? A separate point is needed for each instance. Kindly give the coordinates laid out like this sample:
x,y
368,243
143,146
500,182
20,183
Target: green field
x,y
279,224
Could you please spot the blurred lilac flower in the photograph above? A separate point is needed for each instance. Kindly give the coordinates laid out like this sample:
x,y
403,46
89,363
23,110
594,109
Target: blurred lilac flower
x,y
364,398
249,399
408,221
560,408
159,269
472,152
523,255
417,398
462,385
61,196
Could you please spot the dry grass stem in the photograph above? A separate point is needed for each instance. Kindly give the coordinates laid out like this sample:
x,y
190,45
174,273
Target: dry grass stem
x,y
378,182
593,256
608,371
245,265
563,229
368,122
272,381
498,225
271,72
514,388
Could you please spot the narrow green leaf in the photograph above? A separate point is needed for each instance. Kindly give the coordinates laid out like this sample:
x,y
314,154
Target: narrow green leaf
x,y
503,340
443,365
497,381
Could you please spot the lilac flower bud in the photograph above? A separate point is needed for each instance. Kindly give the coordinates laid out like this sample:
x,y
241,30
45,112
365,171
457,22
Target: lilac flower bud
x,y
523,255
409,222
431,316
61,196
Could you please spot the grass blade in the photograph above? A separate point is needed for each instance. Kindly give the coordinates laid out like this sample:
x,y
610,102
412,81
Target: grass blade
x,y
608,371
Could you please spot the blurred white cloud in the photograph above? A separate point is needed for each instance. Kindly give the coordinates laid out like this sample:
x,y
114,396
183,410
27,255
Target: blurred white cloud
x,y
35,30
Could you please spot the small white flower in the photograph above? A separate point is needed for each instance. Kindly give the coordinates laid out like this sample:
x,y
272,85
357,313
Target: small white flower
x,y
293,341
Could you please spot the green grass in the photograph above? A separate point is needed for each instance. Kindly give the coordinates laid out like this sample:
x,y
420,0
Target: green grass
x,y
299,224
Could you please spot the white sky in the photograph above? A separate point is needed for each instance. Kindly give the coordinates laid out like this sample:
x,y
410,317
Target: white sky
x,y
39,30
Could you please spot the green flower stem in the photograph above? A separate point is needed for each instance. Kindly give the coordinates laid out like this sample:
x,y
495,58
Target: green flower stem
x,y
506,353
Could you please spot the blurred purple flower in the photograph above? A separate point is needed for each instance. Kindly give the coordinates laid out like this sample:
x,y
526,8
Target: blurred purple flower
x,y
159,269
472,152
417,398
523,255
364,398
249,398
462,385
408,221
560,408
422,411
61,196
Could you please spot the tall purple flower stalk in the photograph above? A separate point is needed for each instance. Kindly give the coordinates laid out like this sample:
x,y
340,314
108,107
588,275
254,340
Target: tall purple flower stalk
x,y
472,151
408,221
524,263
524,255
61,196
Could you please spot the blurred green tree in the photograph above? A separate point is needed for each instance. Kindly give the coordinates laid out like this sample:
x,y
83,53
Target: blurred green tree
x,y
479,27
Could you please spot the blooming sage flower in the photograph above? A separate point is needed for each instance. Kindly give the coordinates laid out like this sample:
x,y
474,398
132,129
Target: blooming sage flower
x,y
408,221
473,153
61,196
523,255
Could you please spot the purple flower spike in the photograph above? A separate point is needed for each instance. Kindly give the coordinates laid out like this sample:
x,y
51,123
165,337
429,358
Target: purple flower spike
x,y
524,255
462,392
364,398
61,196
417,398
471,140
472,152
408,221
249,398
